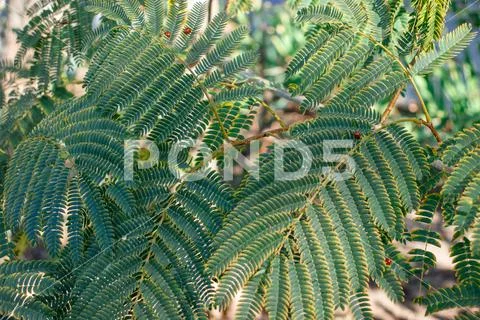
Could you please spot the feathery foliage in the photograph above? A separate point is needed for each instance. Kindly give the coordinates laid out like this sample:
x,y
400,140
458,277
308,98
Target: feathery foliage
x,y
461,189
343,62
60,34
465,293
447,47
154,244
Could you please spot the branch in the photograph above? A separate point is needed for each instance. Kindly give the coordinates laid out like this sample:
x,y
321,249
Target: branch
x,y
429,125
210,9
412,81
434,131
260,136
274,114
391,105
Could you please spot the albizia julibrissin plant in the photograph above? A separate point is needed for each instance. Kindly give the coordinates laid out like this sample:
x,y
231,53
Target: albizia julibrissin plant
x,y
159,246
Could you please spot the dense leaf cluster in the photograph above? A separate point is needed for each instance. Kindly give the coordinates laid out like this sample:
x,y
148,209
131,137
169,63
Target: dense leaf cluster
x,y
163,247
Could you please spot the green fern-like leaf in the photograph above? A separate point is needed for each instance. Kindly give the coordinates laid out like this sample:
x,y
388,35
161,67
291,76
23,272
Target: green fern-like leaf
x,y
447,47
423,258
461,186
320,14
445,298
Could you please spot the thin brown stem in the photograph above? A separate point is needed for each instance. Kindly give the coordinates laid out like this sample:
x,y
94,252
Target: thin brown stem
x,y
391,105
422,103
429,125
274,114
434,131
210,9
260,136
407,73
221,149
274,132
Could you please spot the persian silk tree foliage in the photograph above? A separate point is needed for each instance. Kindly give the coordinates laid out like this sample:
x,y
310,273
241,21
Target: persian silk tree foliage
x,y
158,245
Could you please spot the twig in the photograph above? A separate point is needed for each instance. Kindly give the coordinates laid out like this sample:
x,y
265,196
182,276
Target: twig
x,y
391,105
422,103
274,132
411,80
274,114
429,125
260,136
434,131
210,8
221,149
